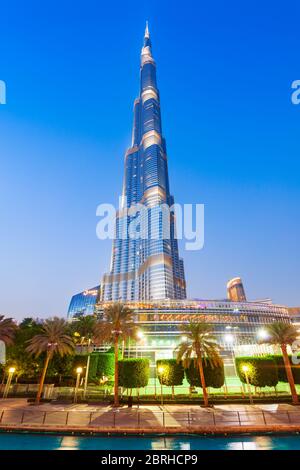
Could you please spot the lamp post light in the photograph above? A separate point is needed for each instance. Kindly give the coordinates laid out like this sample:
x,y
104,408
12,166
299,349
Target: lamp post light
x,y
78,372
246,369
230,340
262,335
140,336
11,372
161,371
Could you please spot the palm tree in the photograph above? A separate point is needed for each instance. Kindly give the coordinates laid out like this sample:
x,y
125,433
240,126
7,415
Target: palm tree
x,y
83,333
199,346
83,329
117,323
7,330
54,338
283,334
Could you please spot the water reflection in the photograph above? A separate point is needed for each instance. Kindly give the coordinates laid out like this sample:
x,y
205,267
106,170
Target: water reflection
x,y
70,443
185,443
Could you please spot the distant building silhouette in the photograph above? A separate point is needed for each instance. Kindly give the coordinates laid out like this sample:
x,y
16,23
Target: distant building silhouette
x,y
235,290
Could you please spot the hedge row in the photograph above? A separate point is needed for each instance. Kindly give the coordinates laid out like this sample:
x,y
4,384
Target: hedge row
x,y
173,374
100,364
262,372
214,375
281,369
265,371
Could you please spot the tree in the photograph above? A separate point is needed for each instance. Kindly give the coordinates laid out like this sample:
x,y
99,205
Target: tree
x,y
60,368
117,324
283,334
54,338
83,329
172,373
17,355
199,347
7,330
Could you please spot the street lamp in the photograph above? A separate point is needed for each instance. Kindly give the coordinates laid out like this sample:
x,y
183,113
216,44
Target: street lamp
x,y
262,334
246,371
140,336
160,372
229,339
11,372
78,372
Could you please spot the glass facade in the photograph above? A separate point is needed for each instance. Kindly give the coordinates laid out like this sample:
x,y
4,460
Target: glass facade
x,y
162,322
84,302
145,267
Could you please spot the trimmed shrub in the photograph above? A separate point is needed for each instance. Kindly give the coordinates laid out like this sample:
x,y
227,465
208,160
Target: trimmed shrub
x,y
106,364
214,375
134,373
281,369
263,371
172,375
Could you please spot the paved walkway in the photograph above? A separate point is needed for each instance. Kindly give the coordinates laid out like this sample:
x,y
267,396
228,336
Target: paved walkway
x,y
18,414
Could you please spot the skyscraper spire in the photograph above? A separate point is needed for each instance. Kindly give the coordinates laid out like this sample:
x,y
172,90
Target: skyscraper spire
x,y
147,34
146,50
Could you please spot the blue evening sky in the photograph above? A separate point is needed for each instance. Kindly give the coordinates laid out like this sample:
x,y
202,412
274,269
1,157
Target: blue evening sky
x,y
225,70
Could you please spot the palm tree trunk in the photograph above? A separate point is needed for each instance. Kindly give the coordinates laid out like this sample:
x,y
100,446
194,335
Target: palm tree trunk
x,y
42,379
289,374
202,378
116,384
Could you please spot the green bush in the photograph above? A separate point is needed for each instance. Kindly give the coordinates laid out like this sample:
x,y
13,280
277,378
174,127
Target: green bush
x,y
93,366
173,373
106,364
263,371
281,369
60,367
100,364
134,373
214,375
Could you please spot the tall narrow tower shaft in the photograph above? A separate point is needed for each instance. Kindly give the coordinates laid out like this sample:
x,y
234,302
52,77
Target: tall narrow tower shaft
x,y
145,268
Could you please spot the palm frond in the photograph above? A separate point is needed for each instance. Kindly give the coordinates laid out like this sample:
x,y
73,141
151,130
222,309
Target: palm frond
x,y
54,338
7,330
200,343
280,333
117,319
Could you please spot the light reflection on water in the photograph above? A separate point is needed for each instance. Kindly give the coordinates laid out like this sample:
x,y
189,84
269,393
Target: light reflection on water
x,y
69,443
